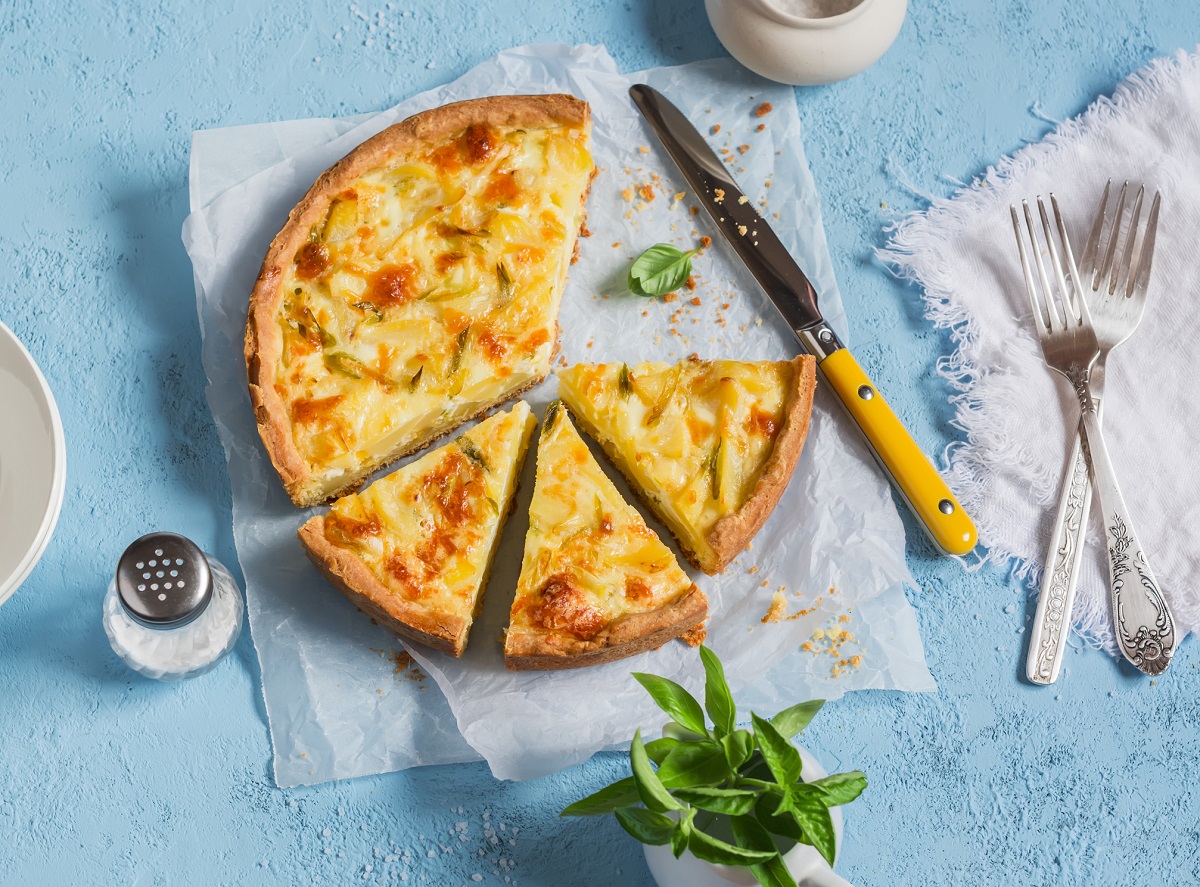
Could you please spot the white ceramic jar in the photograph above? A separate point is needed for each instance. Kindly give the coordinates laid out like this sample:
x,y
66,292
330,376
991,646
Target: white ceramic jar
x,y
806,42
806,865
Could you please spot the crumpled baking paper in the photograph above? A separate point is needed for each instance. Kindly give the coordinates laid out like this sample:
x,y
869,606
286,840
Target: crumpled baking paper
x,y
339,701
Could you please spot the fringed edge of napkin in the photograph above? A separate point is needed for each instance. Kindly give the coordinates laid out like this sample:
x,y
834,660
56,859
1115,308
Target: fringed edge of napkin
x,y
913,253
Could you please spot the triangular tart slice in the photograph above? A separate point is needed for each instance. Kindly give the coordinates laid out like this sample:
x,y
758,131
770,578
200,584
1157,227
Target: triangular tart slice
x,y
596,583
416,286
414,549
709,445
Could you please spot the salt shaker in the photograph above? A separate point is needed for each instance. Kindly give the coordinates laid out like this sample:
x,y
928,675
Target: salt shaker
x,y
171,611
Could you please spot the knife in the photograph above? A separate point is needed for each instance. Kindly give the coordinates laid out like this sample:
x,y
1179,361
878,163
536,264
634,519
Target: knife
x,y
910,471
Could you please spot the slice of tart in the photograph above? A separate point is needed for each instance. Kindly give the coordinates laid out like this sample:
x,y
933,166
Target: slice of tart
x,y
596,583
413,550
708,444
415,286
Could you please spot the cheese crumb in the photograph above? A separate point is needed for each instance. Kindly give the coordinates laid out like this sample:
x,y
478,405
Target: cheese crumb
x,y
763,110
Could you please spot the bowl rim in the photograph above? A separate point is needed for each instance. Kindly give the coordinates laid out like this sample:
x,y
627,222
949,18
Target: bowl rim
x,y
53,506
823,22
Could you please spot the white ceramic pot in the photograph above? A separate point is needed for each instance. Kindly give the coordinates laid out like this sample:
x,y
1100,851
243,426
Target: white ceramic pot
x,y
807,866
790,41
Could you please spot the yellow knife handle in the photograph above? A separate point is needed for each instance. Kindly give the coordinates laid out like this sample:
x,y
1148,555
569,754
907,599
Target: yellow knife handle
x,y
911,471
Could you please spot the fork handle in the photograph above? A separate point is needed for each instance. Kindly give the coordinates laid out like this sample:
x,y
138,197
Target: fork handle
x,y
1144,626
1052,620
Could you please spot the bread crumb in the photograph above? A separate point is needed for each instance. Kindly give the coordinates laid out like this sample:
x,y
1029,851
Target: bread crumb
x,y
646,192
716,128
695,210
760,127
754,569
690,283
670,297
642,149
742,149
695,300
616,244
695,637
778,609
763,110
742,230
719,195
743,199
627,195
584,230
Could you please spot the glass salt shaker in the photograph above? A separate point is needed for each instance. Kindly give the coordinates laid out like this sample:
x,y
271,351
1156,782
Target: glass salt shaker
x,y
171,611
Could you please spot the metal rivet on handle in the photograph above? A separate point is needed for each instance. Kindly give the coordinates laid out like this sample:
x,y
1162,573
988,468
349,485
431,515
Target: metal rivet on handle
x,y
866,392
825,336
946,506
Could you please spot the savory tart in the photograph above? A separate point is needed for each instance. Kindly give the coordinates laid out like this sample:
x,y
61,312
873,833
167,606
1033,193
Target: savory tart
x,y
709,444
414,549
596,583
415,286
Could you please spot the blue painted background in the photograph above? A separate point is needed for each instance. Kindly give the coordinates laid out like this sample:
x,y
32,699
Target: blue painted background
x,y
106,778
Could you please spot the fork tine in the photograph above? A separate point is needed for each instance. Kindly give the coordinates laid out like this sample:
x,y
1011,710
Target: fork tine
x,y
1076,294
1088,260
1047,291
1110,249
1124,271
1141,280
1070,312
1039,315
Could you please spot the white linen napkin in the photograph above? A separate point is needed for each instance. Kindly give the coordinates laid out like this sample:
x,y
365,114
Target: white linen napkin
x,y
1014,411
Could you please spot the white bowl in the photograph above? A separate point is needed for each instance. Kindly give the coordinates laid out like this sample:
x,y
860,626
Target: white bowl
x,y
775,39
33,463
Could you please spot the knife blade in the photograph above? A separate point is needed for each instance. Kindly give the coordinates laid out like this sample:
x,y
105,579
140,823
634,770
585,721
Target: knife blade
x,y
789,289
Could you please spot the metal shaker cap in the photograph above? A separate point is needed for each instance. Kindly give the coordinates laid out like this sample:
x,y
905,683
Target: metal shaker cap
x,y
163,580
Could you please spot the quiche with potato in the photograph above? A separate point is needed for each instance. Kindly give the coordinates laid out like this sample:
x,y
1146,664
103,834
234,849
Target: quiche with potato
x,y
415,286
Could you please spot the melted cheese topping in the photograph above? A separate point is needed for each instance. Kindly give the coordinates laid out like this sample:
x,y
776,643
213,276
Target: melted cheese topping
x,y
694,436
429,291
427,531
589,556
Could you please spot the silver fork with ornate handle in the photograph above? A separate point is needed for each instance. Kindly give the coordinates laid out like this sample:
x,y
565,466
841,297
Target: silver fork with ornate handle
x,y
1144,626
1115,276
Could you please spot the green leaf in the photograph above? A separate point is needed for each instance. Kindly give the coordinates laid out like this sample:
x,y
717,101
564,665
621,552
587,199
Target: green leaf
x,y
750,833
792,720
780,824
679,837
813,818
694,763
672,730
660,748
660,269
609,799
779,753
718,701
646,825
711,849
841,788
739,746
649,786
730,801
675,701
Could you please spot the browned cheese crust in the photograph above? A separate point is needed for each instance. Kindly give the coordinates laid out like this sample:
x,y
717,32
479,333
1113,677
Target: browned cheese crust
x,y
351,577
526,650
730,535
264,338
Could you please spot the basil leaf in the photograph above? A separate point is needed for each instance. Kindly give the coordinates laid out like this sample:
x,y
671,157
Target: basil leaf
x,y
750,833
713,850
674,731
813,817
779,753
841,788
739,746
780,824
675,701
679,837
694,763
718,701
609,799
646,825
649,787
792,720
660,748
660,269
730,801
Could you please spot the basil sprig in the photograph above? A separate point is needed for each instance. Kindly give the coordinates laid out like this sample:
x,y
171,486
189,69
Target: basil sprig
x,y
697,775
660,270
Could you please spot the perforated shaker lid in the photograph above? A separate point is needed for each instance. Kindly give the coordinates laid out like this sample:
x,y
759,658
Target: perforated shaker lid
x,y
163,580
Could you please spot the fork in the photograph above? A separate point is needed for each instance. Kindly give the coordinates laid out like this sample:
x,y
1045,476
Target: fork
x,y
1145,629
1117,309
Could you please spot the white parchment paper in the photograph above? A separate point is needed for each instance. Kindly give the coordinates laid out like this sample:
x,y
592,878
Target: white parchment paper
x,y
337,703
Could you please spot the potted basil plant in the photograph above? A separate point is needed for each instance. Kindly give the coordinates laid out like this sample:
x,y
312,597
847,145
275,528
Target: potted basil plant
x,y
733,805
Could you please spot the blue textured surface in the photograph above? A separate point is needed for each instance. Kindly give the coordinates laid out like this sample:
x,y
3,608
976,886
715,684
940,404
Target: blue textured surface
x,y
106,778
